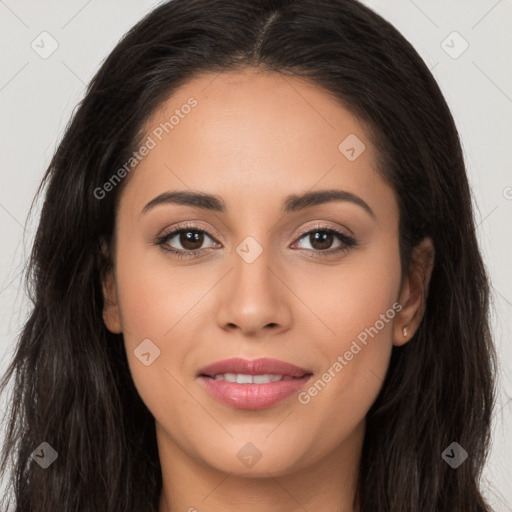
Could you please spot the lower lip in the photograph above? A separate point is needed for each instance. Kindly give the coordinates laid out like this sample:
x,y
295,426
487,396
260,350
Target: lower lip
x,y
252,396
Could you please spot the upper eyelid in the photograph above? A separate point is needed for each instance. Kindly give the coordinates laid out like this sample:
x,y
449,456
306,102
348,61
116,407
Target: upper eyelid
x,y
183,227
325,227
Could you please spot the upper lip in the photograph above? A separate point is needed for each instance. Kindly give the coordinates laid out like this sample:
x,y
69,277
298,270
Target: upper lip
x,y
262,366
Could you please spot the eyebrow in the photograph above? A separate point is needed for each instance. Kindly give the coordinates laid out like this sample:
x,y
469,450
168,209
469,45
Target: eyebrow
x,y
292,203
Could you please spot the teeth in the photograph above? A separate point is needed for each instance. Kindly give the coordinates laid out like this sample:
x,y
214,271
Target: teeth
x,y
242,378
264,379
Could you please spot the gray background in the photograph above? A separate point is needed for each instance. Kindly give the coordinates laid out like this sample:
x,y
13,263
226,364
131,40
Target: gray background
x,y
37,97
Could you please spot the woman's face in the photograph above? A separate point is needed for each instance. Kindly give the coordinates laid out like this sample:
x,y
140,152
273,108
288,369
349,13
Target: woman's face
x,y
270,277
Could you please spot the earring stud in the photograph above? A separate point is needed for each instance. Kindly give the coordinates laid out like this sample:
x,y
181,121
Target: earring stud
x,y
405,332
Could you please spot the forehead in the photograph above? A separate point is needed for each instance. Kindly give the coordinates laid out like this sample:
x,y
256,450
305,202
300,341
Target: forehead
x,y
252,135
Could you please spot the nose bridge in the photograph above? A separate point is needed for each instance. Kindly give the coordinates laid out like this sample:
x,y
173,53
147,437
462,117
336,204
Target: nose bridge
x,y
254,296
252,272
253,249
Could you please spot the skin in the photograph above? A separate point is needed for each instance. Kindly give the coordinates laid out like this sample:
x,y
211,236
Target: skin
x,y
254,138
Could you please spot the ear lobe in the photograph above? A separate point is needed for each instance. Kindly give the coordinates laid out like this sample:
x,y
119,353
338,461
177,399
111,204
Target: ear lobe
x,y
413,295
111,314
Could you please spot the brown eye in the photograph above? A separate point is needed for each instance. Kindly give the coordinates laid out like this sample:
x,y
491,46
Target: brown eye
x,y
322,240
191,240
185,242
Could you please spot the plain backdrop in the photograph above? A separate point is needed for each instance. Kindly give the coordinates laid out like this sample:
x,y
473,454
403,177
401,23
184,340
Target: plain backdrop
x,y
465,43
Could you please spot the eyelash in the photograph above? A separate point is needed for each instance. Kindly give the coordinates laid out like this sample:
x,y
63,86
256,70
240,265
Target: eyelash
x,y
347,241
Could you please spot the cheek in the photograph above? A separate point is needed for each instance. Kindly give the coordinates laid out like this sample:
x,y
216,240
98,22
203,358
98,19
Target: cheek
x,y
155,303
357,306
155,295
346,299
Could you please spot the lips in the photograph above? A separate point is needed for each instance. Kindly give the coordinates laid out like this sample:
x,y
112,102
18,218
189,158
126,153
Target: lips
x,y
252,384
263,366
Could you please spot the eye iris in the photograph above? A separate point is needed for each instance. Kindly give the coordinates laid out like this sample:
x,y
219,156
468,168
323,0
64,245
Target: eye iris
x,y
323,237
191,237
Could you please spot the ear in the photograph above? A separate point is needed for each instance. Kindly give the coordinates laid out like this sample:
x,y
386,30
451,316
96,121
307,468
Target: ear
x,y
111,313
414,291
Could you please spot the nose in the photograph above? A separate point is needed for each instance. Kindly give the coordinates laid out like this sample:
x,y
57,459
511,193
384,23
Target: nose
x,y
254,298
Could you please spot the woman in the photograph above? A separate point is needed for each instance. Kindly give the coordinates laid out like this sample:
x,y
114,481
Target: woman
x,y
256,279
